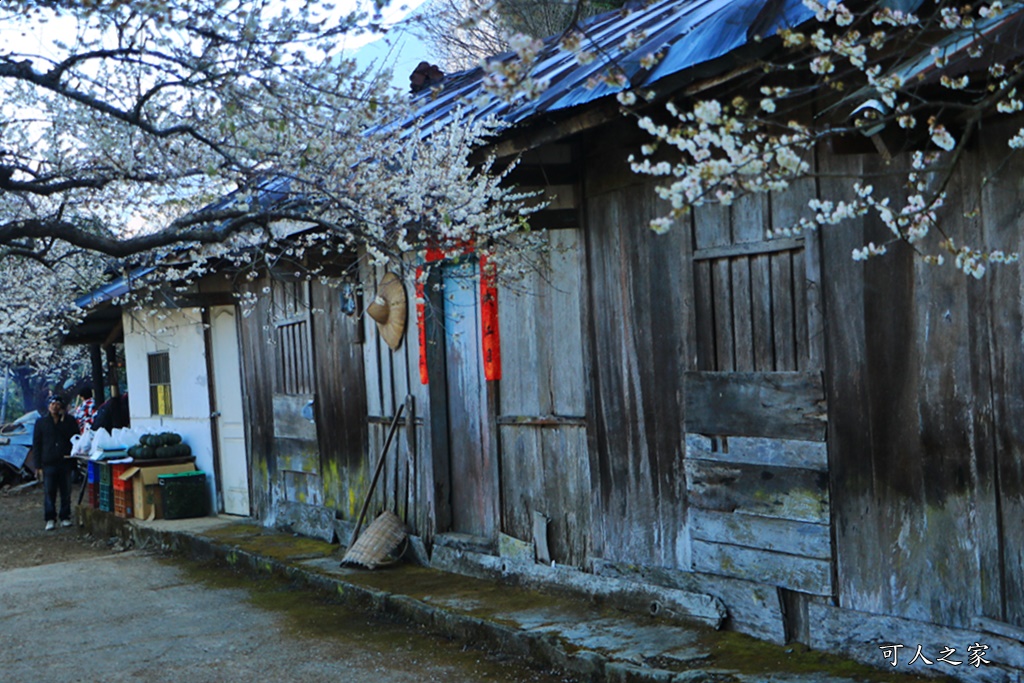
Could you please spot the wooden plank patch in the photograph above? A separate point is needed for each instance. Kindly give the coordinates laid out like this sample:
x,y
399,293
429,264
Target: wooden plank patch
x,y
753,608
289,422
804,539
803,574
780,492
811,455
784,405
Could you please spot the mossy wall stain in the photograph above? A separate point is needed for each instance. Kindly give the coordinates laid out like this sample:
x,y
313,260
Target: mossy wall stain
x,y
332,484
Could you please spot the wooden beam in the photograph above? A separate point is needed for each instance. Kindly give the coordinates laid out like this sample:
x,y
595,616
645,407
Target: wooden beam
x,y
784,405
204,299
542,420
545,132
544,175
555,219
776,492
748,248
115,335
98,392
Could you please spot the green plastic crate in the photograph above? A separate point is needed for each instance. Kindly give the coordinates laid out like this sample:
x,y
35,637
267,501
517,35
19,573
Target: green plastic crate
x,y
183,494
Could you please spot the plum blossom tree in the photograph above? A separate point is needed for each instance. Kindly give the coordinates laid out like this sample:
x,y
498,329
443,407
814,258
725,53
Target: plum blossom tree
x,y
120,120
921,86
466,32
919,80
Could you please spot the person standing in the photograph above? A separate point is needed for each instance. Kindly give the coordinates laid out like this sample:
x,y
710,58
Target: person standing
x,y
86,409
51,443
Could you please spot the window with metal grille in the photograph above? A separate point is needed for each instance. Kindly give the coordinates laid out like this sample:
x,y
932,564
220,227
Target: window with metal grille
x,y
293,345
160,384
295,365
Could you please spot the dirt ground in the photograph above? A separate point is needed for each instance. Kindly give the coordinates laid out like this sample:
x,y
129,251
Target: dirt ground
x,y
24,542
201,623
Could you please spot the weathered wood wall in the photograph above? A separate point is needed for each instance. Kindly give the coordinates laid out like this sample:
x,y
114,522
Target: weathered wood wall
x,y
257,378
392,379
473,459
925,412
709,336
756,457
542,402
296,347
340,407
640,302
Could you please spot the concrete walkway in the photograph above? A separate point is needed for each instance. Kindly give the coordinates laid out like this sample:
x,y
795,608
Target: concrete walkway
x,y
588,641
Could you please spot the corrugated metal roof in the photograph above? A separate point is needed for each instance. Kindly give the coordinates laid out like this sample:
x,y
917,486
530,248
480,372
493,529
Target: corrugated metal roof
x,y
1000,35
116,288
686,33
268,191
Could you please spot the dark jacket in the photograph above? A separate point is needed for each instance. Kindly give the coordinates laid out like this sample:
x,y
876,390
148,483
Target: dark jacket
x,y
51,441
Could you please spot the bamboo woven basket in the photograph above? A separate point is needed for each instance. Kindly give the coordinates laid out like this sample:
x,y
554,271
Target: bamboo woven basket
x,y
376,546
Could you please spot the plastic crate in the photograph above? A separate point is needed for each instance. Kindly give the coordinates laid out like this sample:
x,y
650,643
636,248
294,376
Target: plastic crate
x,y
94,494
103,469
123,502
93,476
115,477
106,498
183,495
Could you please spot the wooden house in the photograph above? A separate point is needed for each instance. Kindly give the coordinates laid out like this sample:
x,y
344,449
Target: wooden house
x,y
828,447
830,450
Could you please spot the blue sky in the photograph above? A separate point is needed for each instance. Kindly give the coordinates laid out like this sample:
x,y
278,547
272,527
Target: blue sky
x,y
399,48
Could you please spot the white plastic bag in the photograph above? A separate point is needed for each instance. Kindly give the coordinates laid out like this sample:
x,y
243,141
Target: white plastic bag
x,y
100,440
80,443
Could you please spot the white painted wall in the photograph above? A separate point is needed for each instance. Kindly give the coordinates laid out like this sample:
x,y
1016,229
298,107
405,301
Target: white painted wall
x,y
180,334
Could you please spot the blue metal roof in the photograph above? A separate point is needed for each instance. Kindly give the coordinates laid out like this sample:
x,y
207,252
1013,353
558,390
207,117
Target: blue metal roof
x,y
268,191
112,290
686,33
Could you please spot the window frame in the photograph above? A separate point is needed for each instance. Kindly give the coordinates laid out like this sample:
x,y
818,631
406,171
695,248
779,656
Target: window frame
x,y
159,385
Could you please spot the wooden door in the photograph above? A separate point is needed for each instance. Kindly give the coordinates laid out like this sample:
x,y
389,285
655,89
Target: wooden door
x,y
296,446
473,463
231,446
757,461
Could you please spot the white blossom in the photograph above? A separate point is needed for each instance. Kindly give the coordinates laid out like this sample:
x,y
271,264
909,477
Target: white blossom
x,y
940,136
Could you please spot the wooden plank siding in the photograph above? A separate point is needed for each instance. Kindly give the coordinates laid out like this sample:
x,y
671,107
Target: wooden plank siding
x,y
924,410
542,425
1003,312
640,305
472,432
340,388
756,458
311,354
256,357
392,379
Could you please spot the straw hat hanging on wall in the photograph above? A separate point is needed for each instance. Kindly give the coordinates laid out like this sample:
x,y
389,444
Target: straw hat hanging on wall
x,y
389,310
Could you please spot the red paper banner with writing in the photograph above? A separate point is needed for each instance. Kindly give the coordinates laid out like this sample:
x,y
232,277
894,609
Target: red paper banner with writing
x,y
421,324
490,337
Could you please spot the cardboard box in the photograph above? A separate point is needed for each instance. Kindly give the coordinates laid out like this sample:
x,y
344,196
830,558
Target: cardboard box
x,y
146,489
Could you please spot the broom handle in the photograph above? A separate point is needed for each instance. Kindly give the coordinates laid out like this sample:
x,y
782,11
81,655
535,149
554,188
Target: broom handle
x,y
376,473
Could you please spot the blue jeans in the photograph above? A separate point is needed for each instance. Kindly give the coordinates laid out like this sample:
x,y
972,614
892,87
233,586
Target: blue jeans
x,y
56,479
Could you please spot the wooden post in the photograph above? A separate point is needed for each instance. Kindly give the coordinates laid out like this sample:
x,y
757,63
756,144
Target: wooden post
x,y
98,391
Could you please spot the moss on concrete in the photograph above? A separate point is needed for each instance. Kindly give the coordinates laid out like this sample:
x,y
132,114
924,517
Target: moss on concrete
x,y
742,653
312,614
272,544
